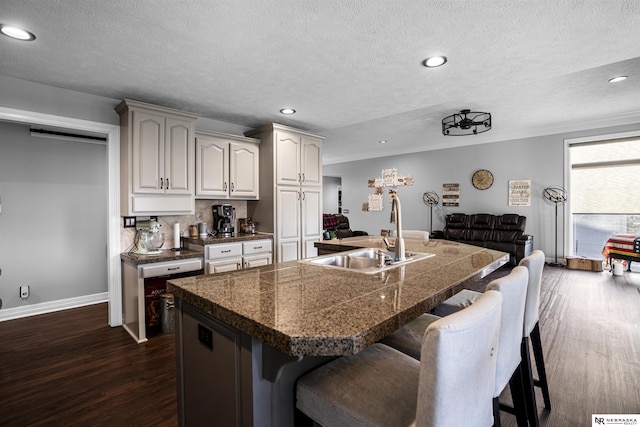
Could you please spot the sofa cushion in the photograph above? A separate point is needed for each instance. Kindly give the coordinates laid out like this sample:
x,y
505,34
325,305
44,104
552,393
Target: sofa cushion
x,y
481,227
509,228
455,227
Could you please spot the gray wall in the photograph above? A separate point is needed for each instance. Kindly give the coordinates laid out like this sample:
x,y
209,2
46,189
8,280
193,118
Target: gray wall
x,y
330,186
539,159
54,211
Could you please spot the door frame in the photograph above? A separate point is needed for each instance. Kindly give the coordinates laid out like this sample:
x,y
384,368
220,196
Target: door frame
x,y
112,133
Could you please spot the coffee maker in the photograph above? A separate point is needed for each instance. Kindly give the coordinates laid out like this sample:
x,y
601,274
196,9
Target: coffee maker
x,y
223,220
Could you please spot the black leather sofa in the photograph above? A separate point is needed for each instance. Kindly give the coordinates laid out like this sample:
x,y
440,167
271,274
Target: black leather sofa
x,y
500,232
339,225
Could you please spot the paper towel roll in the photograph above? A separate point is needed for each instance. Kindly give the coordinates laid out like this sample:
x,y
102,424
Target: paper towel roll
x,y
176,236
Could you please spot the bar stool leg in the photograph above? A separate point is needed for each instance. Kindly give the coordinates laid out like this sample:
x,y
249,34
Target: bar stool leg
x,y
536,344
529,392
517,394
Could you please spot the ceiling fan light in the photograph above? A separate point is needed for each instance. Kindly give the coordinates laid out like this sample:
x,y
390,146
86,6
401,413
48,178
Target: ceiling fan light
x,y
466,122
16,33
288,111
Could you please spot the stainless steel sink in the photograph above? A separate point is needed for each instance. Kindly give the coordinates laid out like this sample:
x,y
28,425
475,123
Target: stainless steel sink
x,y
364,260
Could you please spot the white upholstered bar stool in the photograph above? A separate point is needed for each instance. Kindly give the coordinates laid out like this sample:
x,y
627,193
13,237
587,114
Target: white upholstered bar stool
x,y
380,386
531,331
509,368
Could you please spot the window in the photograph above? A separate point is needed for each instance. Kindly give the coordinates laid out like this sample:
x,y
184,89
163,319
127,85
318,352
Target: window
x,y
605,191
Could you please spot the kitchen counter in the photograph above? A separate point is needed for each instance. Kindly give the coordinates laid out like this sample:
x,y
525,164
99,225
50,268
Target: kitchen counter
x,y
237,237
311,310
244,338
166,255
171,255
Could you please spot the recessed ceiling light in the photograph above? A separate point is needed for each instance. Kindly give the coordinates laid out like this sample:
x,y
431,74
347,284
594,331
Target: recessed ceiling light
x,y
384,141
435,61
617,79
288,111
16,33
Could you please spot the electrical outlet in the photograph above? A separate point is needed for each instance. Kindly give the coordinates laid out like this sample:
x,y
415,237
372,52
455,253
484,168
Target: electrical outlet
x,y
24,292
129,221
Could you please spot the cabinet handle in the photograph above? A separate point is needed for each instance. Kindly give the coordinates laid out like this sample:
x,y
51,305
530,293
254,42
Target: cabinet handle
x,y
298,195
239,266
161,183
225,186
299,177
232,187
173,268
304,195
304,179
224,252
257,247
166,184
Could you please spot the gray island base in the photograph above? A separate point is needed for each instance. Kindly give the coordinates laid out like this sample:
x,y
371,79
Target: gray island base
x,y
243,338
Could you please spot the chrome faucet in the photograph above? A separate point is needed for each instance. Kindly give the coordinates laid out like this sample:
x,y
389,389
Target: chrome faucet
x,y
396,218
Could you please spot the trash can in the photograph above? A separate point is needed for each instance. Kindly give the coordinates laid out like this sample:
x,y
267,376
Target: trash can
x,y
167,313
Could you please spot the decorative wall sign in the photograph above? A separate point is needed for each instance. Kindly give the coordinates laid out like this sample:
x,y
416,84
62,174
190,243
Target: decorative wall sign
x,y
520,192
389,178
451,194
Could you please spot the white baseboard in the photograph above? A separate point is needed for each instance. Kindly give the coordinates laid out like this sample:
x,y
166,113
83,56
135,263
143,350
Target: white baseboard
x,y
51,306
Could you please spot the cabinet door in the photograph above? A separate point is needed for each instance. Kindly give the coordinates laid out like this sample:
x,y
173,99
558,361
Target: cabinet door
x,y
211,372
244,170
212,167
178,158
311,161
148,153
287,158
257,260
311,202
288,223
230,264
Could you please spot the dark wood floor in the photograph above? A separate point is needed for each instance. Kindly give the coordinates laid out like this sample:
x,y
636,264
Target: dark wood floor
x,y
70,368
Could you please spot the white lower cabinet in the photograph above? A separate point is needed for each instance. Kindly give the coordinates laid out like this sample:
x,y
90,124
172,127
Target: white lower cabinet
x,y
222,257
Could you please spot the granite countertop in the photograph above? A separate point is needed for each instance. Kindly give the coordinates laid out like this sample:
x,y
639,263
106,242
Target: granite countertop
x,y
166,255
304,309
237,237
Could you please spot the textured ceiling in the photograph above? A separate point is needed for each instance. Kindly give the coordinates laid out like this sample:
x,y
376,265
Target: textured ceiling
x,y
351,68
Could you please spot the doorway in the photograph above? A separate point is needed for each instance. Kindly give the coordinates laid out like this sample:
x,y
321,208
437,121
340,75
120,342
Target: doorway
x,y
112,253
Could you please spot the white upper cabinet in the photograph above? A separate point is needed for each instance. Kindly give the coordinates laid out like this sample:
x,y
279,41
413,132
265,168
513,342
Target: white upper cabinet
x,y
298,159
156,159
227,166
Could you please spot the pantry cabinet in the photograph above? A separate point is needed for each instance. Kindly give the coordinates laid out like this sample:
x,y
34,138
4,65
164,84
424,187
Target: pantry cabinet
x,y
290,204
298,159
227,166
157,157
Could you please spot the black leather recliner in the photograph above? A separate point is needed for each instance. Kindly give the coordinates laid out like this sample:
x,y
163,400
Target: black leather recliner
x,y
339,224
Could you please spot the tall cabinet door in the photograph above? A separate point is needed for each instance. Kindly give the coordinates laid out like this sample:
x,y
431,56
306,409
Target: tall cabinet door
x,y
148,152
288,223
244,170
311,161
178,174
287,158
311,203
212,167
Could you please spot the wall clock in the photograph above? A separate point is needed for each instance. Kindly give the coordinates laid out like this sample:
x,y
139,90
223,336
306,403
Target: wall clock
x,y
482,179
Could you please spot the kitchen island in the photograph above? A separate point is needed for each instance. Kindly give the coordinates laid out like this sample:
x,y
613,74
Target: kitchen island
x,y
243,338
